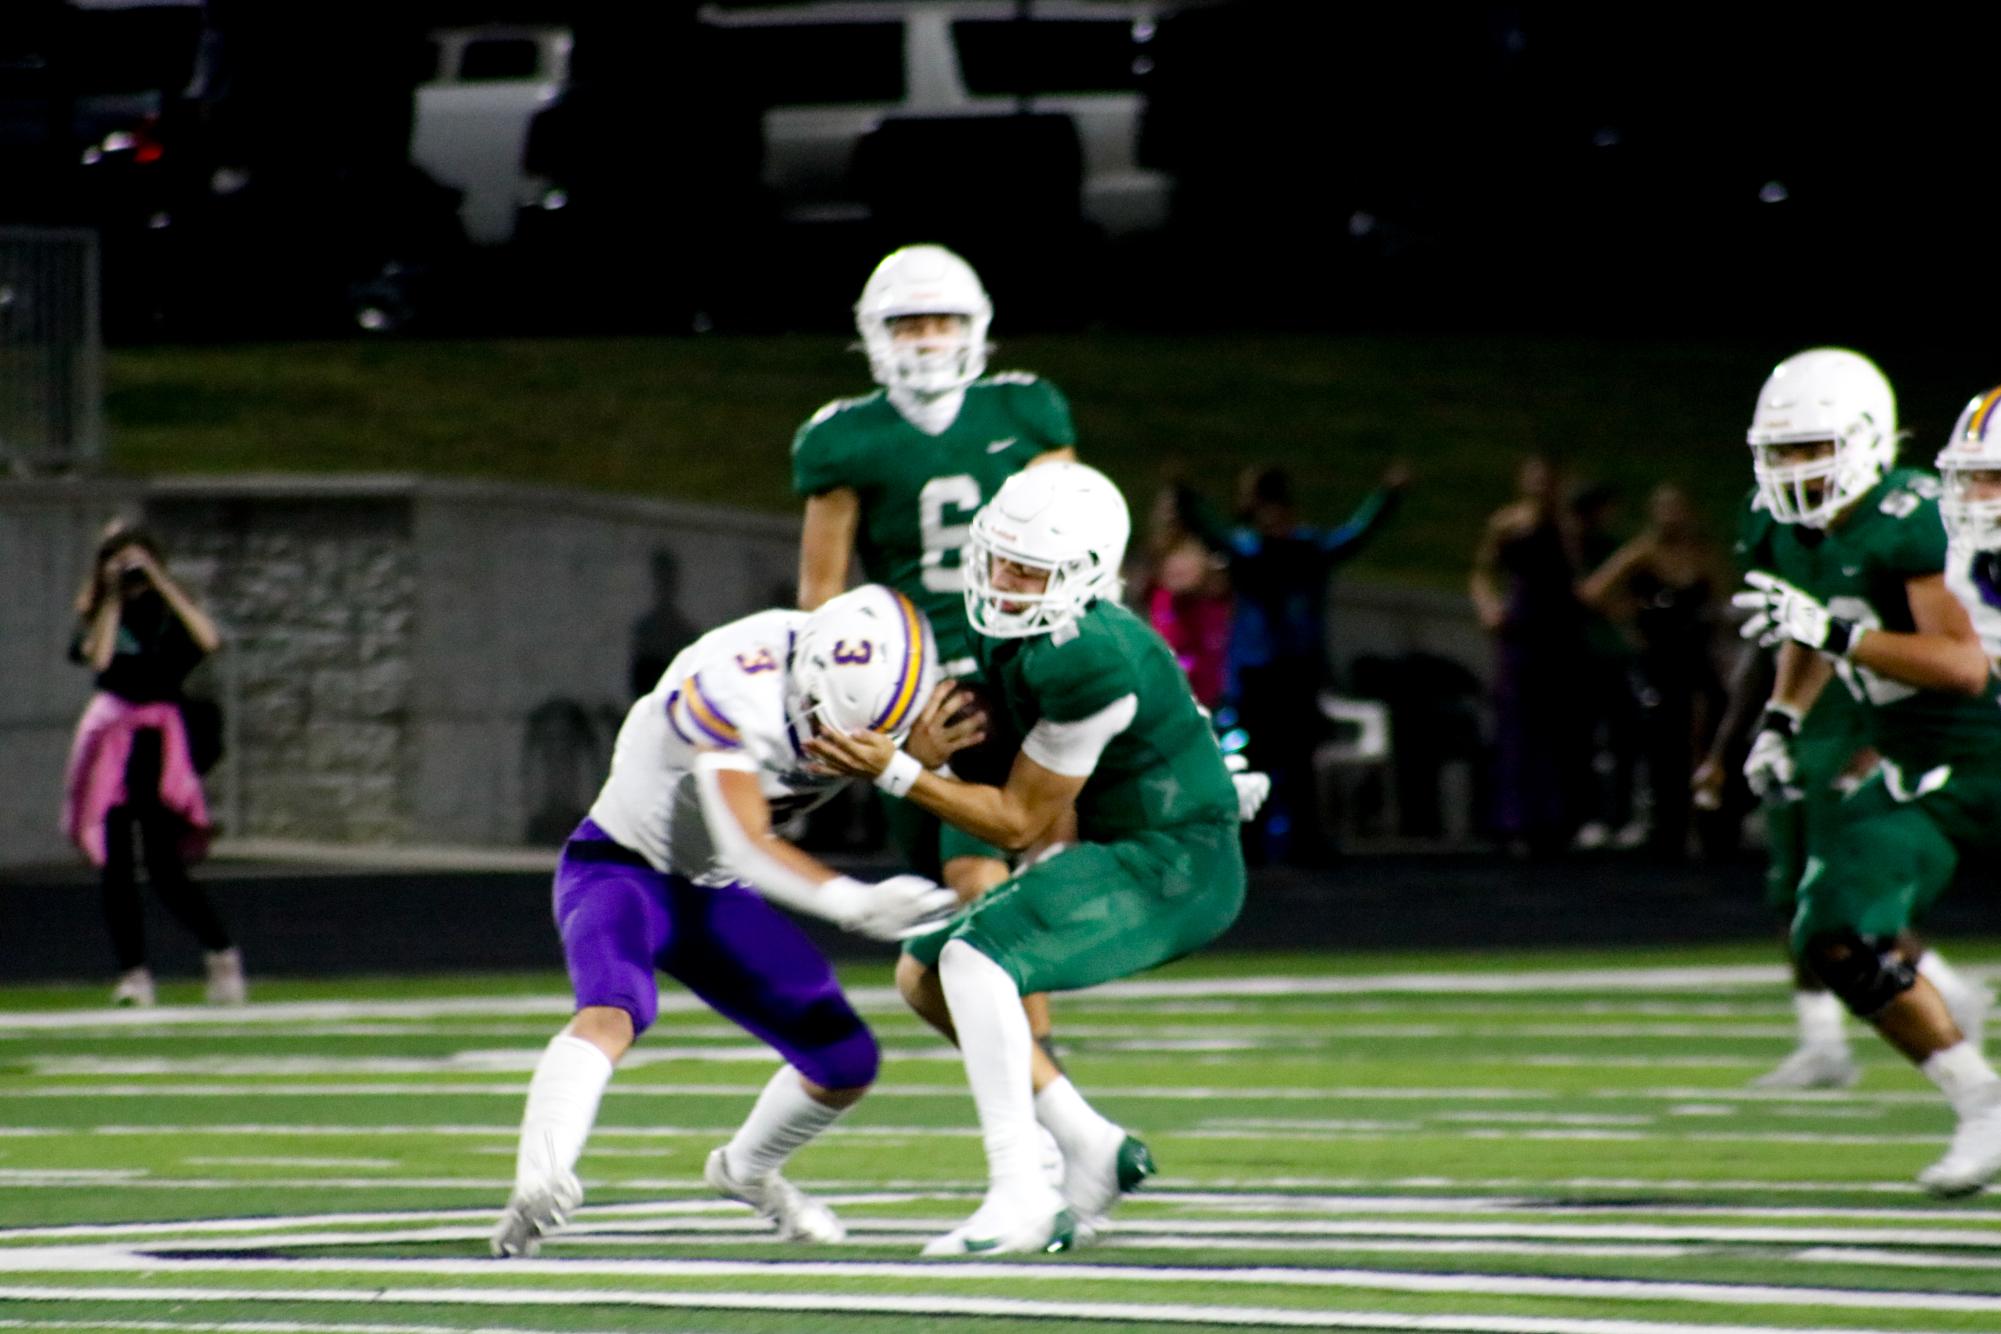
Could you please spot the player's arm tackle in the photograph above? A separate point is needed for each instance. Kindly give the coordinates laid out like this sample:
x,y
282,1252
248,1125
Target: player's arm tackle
x,y
739,820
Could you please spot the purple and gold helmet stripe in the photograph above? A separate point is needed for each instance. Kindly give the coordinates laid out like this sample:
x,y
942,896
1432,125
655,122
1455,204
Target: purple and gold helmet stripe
x,y
1977,421
914,630
706,716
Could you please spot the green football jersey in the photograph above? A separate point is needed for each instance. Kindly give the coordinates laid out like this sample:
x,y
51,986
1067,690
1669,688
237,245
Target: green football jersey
x,y
1836,726
1859,568
919,492
1164,769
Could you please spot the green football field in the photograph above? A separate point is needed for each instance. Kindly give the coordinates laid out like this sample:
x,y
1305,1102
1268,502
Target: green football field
x,y
1498,1144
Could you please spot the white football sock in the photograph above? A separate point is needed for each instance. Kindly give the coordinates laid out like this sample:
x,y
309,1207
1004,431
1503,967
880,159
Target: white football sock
x,y
1962,1074
995,1044
1081,1132
784,1117
1819,1015
1934,969
562,1106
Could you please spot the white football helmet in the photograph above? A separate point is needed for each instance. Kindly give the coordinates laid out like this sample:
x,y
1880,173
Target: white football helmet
x,y
1825,395
1065,518
865,661
924,280
1970,468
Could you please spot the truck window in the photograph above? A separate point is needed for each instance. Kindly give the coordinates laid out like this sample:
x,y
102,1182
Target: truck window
x,y
493,59
813,64
1002,56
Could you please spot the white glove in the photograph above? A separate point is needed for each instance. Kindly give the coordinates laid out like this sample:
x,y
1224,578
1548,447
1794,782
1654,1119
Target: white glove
x,y
894,909
1769,768
1252,789
1780,612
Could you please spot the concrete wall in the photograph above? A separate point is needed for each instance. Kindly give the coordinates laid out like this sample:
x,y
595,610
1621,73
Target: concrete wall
x,y
423,662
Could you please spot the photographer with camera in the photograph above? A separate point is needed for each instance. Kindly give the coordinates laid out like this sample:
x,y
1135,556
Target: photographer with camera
x,y
130,763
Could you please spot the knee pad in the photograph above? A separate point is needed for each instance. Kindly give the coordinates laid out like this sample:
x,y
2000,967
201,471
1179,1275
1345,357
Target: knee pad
x,y
837,1051
1866,974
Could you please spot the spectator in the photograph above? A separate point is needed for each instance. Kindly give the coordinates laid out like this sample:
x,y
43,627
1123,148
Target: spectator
x,y
1280,569
1667,581
1185,592
129,765
1523,586
1610,692
661,630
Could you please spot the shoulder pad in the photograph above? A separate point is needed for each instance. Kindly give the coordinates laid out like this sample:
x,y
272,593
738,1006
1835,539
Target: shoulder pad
x,y
835,408
1909,496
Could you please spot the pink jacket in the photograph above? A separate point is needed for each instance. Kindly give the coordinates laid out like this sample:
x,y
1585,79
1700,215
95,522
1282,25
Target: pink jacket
x,y
96,779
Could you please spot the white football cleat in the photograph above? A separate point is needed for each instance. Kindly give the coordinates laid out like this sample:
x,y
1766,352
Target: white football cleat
x,y
533,1212
1035,1223
1091,1189
135,987
1053,1166
798,1215
1974,1157
225,977
1817,1065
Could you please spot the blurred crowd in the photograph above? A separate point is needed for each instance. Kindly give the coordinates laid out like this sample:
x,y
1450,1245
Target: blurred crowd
x,y
1603,699
1605,687
1242,600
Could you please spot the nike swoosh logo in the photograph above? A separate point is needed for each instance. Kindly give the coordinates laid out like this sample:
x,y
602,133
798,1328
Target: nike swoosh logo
x,y
998,445
1851,570
975,1247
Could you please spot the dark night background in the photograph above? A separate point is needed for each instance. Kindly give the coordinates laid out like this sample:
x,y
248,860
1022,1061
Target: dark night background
x,y
1484,167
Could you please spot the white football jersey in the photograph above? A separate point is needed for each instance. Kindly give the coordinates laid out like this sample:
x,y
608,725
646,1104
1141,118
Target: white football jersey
x,y
1986,617
726,692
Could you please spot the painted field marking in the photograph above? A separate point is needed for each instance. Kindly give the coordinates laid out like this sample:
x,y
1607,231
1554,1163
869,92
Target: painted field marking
x,y
1670,980
105,1260
1235,1316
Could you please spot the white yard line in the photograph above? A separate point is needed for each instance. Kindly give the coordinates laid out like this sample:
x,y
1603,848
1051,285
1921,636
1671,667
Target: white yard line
x,y
108,1260
932,1305
275,1161
1700,980
1188,1233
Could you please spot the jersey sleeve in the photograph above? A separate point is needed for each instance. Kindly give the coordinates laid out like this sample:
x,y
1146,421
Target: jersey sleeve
x,y
1045,414
736,706
820,463
1081,677
1753,547
1918,546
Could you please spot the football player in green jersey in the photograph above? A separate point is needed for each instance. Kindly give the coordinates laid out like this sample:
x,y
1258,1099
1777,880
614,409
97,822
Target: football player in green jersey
x,y
1856,588
1157,872
896,475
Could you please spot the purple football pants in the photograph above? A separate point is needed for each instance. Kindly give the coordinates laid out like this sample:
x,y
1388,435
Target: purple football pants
x,y
620,920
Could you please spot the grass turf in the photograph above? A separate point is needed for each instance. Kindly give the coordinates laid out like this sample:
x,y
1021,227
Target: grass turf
x,y
709,419
1426,1141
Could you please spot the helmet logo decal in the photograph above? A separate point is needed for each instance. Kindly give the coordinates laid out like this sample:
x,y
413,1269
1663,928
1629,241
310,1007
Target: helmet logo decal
x,y
860,653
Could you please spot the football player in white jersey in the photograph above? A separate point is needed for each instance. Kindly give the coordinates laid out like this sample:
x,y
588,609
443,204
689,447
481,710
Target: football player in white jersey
x,y
676,869
1969,468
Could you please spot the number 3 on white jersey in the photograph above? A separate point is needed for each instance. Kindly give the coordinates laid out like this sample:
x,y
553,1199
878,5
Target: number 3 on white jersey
x,y
960,492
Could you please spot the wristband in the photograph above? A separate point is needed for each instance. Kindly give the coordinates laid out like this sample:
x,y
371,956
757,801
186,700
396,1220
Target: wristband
x,y
1780,718
1841,636
900,775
